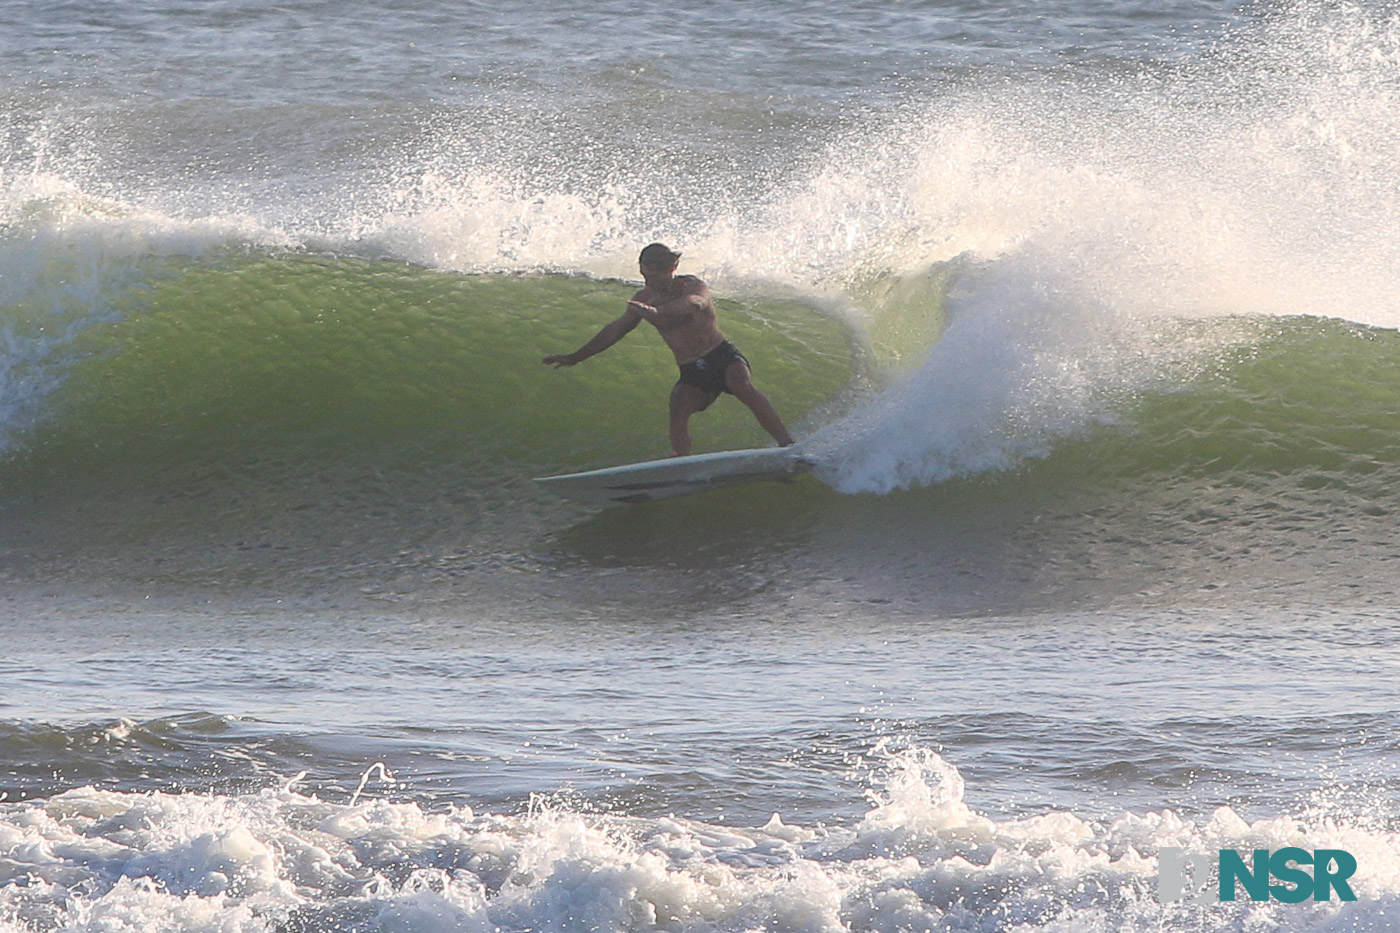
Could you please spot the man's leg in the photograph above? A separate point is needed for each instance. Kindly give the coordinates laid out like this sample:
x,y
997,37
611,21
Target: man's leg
x,y
686,400
740,382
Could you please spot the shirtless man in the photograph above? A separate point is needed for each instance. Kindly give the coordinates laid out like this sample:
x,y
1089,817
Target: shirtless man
x,y
681,309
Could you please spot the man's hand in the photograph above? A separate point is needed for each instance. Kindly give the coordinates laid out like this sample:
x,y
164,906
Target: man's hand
x,y
609,335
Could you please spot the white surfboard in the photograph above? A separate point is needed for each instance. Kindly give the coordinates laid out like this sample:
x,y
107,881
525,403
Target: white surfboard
x,y
678,476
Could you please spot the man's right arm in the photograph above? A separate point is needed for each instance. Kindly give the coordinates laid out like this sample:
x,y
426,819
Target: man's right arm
x,y
609,335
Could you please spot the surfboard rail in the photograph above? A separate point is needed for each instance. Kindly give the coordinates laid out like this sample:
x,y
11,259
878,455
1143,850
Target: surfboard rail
x,y
679,476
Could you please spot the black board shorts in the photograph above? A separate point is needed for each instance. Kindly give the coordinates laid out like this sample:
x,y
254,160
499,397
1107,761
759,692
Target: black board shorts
x,y
707,373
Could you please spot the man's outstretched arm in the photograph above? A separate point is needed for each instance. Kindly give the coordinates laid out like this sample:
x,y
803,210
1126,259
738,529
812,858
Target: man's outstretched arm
x,y
609,335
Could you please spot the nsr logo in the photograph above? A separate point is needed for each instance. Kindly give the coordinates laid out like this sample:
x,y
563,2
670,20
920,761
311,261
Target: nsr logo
x,y
1331,869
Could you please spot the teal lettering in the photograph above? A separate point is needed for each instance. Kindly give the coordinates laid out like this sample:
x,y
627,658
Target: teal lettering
x,y
1278,865
1296,884
1256,883
1324,880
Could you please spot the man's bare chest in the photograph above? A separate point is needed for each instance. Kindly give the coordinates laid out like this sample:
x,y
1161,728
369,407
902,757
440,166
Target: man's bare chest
x,y
680,316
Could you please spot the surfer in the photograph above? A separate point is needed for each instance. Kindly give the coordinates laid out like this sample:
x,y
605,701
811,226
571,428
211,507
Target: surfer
x,y
681,309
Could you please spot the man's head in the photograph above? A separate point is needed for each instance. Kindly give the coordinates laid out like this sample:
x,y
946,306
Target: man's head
x,y
658,257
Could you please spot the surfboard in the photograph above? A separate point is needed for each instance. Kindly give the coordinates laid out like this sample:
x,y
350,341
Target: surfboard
x,y
678,476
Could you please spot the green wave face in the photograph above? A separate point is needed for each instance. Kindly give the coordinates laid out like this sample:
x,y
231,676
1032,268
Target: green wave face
x,y
298,401
1317,399
317,361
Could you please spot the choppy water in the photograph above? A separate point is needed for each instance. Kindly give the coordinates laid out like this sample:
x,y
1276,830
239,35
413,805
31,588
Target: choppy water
x,y
1087,311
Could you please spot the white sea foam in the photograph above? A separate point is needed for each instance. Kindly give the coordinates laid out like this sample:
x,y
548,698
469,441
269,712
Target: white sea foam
x,y
920,859
1263,184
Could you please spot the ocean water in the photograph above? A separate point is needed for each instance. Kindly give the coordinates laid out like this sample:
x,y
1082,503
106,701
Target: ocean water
x,y
1087,309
